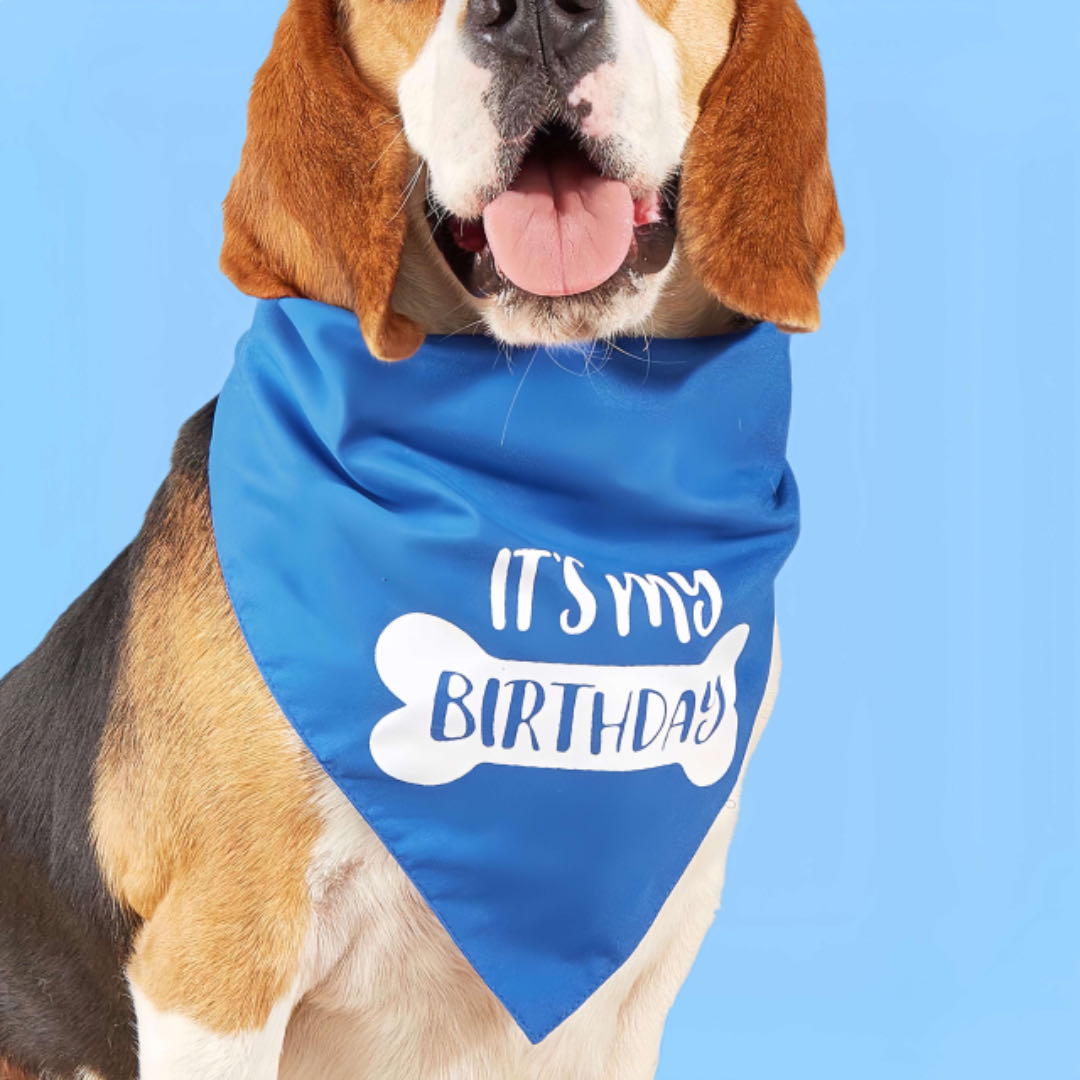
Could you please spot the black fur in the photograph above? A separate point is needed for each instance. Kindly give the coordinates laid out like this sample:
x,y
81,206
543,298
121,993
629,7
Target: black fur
x,y
63,940
62,1002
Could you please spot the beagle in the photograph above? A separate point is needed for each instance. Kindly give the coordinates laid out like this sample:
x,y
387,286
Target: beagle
x,y
184,891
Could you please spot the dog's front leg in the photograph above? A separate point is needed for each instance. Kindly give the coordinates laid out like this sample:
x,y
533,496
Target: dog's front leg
x,y
214,989
173,1047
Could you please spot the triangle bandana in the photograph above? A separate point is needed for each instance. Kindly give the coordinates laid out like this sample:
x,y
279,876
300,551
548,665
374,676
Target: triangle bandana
x,y
519,608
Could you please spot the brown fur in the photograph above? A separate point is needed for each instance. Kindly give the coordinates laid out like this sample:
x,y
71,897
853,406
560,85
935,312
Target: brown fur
x,y
384,39
757,217
702,33
316,207
203,792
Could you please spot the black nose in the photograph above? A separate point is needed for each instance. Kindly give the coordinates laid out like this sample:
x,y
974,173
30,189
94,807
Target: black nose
x,y
551,32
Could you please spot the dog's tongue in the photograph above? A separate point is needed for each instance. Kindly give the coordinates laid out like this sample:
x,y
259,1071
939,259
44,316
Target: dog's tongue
x,y
561,229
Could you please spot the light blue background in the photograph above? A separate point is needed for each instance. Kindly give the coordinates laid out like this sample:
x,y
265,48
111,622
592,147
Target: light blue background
x,y
904,883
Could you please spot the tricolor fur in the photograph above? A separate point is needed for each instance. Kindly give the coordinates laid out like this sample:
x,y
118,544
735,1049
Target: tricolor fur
x,y
182,891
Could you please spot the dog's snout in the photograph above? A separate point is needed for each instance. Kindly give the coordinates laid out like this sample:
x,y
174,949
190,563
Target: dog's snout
x,y
548,31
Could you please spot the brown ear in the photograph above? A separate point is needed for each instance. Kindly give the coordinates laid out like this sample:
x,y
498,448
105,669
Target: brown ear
x,y
316,207
758,218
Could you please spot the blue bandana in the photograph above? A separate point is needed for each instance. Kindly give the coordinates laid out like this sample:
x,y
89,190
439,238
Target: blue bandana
x,y
520,609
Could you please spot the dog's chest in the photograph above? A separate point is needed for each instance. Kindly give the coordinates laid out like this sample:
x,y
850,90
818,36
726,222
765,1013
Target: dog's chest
x,y
383,983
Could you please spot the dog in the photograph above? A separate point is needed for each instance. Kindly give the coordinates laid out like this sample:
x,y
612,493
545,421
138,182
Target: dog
x,y
183,891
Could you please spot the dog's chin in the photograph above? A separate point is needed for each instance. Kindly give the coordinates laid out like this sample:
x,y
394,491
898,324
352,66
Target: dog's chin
x,y
619,307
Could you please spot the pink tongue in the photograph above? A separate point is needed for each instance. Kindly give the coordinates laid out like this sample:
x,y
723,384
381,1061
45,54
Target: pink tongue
x,y
561,229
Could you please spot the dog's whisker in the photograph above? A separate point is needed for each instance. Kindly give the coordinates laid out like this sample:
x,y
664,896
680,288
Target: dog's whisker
x,y
623,352
385,149
598,366
395,119
648,360
466,328
456,308
569,370
517,392
410,188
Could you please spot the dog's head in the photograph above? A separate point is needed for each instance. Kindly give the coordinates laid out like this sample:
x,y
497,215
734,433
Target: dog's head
x,y
554,169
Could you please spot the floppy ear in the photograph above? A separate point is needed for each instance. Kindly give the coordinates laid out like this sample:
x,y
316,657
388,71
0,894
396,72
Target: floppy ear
x,y
758,219
316,207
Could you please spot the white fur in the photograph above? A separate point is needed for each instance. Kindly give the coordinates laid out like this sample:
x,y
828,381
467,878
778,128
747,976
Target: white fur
x,y
445,119
384,994
635,104
635,98
171,1047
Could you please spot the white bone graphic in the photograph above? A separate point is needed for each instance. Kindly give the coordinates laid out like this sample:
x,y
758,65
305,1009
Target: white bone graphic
x,y
463,707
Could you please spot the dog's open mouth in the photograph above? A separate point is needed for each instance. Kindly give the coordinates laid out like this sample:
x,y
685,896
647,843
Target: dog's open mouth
x,y
561,228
